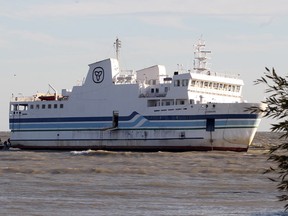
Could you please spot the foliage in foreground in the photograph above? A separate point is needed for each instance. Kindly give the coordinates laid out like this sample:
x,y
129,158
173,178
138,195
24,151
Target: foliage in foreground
x,y
277,108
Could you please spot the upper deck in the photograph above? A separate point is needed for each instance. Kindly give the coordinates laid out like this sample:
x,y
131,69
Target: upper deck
x,y
106,82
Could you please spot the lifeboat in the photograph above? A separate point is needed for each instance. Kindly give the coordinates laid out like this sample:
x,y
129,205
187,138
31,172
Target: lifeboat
x,y
47,97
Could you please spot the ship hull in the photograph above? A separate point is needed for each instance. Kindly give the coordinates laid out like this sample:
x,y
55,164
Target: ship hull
x,y
229,133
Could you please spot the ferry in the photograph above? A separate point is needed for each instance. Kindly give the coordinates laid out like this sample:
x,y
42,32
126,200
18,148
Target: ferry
x,y
143,110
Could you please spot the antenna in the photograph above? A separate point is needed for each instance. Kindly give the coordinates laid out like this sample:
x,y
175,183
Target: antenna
x,y
117,45
201,57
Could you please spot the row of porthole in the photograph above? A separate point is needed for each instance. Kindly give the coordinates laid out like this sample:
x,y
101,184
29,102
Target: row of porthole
x,y
49,106
204,105
164,110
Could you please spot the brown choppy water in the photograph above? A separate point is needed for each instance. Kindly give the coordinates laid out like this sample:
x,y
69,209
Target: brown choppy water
x,y
127,183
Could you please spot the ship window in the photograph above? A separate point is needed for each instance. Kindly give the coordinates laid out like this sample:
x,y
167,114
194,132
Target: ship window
x,y
49,106
61,106
43,106
22,107
191,101
166,89
193,83
157,90
152,90
153,103
15,107
31,106
55,106
37,106
180,101
152,82
185,82
167,102
177,83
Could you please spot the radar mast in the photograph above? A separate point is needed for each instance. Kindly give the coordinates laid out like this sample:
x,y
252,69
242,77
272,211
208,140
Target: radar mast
x,y
117,45
201,57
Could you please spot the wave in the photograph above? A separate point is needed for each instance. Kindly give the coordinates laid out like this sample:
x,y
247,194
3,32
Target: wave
x,y
118,153
279,213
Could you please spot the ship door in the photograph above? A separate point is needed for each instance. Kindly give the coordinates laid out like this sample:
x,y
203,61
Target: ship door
x,y
210,124
115,119
210,127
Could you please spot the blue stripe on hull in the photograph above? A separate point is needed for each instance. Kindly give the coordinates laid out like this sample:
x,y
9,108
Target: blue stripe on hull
x,y
134,121
127,118
164,125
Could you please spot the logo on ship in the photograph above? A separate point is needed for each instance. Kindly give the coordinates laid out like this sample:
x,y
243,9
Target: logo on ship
x,y
98,75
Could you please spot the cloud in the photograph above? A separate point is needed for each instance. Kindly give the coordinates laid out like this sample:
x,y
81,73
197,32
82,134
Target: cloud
x,y
155,7
173,21
37,38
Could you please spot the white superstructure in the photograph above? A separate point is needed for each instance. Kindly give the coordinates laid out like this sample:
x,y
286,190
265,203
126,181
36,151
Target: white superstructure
x,y
146,110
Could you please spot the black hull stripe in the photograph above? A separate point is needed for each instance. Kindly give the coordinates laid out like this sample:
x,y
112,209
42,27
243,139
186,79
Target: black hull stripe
x,y
134,148
16,119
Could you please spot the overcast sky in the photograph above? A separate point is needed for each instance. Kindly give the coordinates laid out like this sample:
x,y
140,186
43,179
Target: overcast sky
x,y
52,42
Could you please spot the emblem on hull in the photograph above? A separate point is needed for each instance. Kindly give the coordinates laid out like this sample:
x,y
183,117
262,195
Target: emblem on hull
x,y
98,74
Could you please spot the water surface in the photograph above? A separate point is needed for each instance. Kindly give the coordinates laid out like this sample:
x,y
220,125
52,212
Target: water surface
x,y
127,183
